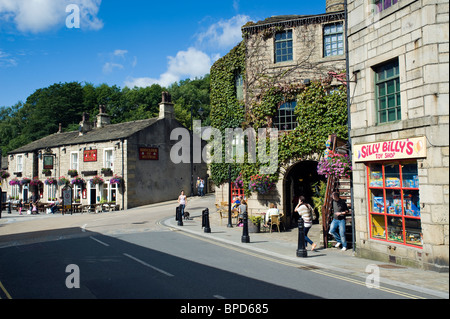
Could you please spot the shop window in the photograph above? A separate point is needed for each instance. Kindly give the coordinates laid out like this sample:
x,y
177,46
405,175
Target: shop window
x,y
394,202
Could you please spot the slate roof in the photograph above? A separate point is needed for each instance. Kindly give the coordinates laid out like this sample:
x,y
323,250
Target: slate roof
x,y
107,133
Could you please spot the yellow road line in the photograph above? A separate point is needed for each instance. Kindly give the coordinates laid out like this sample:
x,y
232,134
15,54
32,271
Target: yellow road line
x,y
5,291
319,272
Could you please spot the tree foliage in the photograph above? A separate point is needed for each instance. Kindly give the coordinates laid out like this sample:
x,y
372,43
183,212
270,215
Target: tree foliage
x,y
65,103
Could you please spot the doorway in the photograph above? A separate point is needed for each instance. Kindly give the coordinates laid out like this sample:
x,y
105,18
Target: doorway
x,y
298,181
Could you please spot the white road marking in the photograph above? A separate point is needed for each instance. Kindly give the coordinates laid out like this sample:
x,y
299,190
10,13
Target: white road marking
x,y
148,265
99,241
83,228
219,297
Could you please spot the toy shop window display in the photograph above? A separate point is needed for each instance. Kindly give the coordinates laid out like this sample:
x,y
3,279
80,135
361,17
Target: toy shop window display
x,y
394,202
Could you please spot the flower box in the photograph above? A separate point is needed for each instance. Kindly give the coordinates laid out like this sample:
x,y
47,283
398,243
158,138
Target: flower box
x,y
72,172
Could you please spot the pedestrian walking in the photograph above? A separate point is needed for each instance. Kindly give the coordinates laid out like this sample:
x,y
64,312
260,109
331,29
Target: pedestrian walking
x,y
197,185
182,201
201,187
306,212
340,209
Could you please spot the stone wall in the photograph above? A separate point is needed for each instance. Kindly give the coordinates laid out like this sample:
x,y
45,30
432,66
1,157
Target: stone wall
x,y
416,33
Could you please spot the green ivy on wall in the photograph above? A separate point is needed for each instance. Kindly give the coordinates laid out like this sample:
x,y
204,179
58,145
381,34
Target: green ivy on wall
x,y
320,113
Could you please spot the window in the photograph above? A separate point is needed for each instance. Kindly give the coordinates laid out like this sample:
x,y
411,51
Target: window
x,y
239,87
74,161
394,203
333,39
109,159
283,46
286,120
51,192
383,4
387,90
19,163
109,192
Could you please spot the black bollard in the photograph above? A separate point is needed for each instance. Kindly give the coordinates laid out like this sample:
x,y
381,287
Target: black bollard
x,y
301,251
179,217
9,206
205,221
245,237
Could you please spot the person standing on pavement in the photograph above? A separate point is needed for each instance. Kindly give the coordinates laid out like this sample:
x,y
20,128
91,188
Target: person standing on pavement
x,y
201,187
182,201
340,209
305,211
34,203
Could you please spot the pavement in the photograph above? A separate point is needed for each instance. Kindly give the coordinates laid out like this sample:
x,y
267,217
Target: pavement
x,y
280,246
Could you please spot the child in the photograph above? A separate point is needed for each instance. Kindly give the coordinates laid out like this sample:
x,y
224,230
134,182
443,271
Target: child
x,y
34,210
20,207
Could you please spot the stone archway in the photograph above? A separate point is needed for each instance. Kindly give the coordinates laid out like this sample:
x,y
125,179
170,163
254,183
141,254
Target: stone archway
x,y
298,180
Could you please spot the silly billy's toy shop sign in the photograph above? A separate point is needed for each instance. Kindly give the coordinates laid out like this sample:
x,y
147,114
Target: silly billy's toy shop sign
x,y
397,149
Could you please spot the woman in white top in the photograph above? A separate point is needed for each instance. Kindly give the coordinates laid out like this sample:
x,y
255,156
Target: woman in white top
x,y
306,211
182,200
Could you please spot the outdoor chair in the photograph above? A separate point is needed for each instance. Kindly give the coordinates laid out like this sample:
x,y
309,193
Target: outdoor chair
x,y
275,220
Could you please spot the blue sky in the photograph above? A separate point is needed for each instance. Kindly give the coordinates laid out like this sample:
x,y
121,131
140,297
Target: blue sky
x,y
123,43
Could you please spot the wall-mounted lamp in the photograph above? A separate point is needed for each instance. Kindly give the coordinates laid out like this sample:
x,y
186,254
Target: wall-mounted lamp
x,y
64,150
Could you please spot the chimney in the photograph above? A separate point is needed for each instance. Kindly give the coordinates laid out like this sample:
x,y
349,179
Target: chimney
x,y
335,6
166,109
103,119
60,128
85,125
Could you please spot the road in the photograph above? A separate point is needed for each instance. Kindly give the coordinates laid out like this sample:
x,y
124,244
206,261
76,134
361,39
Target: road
x,y
132,255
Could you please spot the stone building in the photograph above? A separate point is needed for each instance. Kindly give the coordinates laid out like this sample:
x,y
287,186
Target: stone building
x,y
291,50
399,62
138,153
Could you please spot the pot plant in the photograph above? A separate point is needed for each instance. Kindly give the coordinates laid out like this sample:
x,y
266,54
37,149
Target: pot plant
x,y
107,171
254,224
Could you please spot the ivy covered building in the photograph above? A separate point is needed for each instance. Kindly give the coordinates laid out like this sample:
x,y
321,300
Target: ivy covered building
x,y
285,74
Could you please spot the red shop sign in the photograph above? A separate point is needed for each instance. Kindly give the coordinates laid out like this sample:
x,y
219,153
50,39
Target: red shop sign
x,y
90,156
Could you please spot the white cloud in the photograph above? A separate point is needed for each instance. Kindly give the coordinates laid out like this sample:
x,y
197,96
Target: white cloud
x,y
186,64
6,60
37,16
109,67
120,53
225,33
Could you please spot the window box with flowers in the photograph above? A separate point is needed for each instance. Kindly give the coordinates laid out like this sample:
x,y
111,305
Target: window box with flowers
x,y
107,171
335,165
97,180
51,181
261,184
47,172
72,172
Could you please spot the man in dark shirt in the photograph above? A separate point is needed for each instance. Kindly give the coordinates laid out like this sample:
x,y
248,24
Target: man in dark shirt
x,y
340,209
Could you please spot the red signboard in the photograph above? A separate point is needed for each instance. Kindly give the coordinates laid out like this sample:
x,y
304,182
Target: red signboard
x,y
90,156
148,153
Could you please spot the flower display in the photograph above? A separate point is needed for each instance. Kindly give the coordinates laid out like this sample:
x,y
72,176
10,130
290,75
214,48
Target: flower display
x,y
97,180
62,181
25,181
35,182
51,181
116,180
4,174
78,181
261,184
14,181
335,165
239,182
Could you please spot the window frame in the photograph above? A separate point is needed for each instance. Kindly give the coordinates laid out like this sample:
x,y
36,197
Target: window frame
x,y
72,162
289,41
293,123
384,4
19,163
111,159
404,187
326,36
379,83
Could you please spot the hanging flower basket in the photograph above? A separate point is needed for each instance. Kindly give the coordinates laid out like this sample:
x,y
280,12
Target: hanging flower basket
x,y
239,182
62,181
36,182
335,165
25,181
97,180
51,181
14,181
260,184
117,180
78,181
4,174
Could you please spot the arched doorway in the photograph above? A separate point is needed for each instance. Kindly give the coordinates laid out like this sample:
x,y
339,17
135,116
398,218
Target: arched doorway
x,y
298,181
